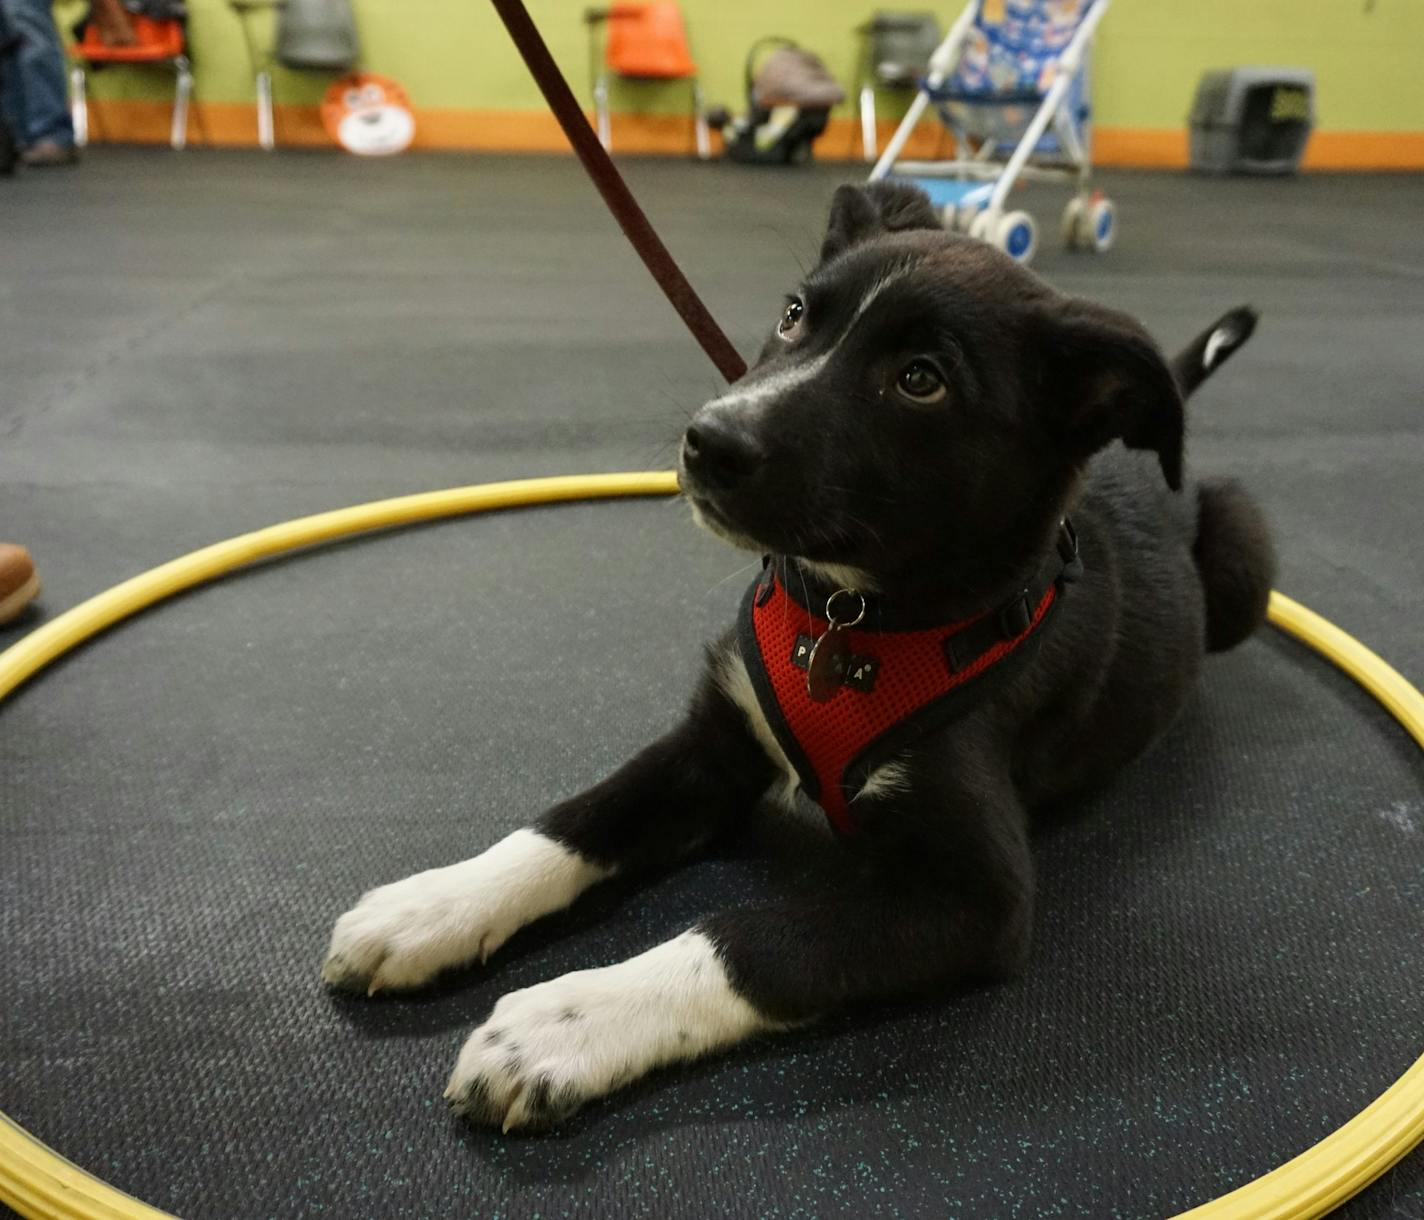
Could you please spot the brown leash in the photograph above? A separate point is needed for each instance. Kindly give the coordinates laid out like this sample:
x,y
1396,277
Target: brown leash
x,y
615,192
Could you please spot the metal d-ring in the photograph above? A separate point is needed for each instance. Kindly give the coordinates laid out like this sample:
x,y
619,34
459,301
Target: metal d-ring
x,y
831,601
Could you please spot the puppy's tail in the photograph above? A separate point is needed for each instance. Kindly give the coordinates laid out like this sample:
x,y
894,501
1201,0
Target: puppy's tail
x,y
1235,560
1232,549
1209,350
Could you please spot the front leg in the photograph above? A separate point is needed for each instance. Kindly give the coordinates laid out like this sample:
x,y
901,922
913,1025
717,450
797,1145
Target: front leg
x,y
946,900
550,1048
673,797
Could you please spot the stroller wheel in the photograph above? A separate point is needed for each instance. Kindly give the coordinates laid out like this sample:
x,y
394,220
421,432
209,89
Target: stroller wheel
x,y
965,216
979,226
1100,225
957,218
1071,227
1017,236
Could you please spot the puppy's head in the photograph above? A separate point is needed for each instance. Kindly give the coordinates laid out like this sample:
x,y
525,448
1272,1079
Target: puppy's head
x,y
922,400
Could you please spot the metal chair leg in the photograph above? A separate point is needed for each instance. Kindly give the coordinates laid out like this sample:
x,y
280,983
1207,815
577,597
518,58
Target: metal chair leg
x,y
79,106
600,112
181,93
868,140
699,118
266,129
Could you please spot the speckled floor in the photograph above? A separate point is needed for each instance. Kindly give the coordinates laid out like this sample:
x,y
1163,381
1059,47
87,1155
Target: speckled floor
x,y
1229,952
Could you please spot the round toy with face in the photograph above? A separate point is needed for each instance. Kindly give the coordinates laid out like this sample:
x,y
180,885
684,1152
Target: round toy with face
x,y
368,115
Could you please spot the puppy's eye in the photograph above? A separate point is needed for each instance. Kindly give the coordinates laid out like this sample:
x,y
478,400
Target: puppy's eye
x,y
921,382
790,318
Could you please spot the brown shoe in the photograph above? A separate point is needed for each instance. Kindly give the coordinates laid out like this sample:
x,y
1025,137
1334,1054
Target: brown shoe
x,y
49,153
19,582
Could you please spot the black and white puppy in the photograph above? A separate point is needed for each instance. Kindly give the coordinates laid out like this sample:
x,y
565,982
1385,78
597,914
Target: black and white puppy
x,y
923,419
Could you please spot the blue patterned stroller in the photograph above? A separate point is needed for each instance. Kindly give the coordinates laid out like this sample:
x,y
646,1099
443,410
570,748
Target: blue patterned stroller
x,y
1010,82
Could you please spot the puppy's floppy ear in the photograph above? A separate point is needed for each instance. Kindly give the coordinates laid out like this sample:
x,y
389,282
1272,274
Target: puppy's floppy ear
x,y
1102,378
859,213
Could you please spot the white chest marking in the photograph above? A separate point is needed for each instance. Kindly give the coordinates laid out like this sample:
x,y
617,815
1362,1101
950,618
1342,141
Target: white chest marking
x,y
736,683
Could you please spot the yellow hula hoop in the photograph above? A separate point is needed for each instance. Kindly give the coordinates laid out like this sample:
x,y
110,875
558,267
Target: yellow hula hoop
x,y
37,1182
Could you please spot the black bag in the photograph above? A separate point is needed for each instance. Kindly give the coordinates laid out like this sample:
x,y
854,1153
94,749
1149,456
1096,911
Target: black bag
x,y
318,35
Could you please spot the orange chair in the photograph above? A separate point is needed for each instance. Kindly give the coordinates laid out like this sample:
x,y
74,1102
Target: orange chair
x,y
646,42
158,41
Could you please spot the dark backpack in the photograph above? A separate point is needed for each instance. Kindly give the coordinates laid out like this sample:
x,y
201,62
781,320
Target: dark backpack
x,y
318,35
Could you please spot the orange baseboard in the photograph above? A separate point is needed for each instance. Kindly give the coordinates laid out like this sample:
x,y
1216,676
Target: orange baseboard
x,y
1365,150
1144,148
211,124
1140,147
234,125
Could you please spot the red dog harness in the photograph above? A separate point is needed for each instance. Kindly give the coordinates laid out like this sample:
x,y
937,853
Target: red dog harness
x,y
889,685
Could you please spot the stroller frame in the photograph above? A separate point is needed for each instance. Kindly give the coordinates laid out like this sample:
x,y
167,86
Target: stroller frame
x,y
1087,222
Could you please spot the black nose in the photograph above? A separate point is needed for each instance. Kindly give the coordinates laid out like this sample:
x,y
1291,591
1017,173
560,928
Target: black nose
x,y
718,453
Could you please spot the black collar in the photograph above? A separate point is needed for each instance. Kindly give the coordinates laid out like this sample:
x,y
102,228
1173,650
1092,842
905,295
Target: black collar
x,y
1062,564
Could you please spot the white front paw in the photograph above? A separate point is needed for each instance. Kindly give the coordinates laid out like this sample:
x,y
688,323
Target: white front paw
x,y
403,935
548,1049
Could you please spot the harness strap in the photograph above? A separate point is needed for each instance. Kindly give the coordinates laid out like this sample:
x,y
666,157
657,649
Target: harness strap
x,y
899,684
1014,616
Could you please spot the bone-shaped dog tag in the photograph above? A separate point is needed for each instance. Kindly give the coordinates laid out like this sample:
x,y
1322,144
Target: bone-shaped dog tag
x,y
826,667
825,671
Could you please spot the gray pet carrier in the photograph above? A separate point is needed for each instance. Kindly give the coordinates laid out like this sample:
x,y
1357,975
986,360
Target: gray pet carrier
x,y
1252,120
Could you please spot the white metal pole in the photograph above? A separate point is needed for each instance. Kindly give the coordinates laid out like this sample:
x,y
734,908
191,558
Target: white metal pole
x,y
266,128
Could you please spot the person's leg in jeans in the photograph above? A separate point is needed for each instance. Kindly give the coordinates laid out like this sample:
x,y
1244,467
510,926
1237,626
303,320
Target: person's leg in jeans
x,y
36,99
9,99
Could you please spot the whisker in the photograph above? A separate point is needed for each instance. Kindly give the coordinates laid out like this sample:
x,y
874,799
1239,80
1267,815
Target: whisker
x,y
855,491
746,567
790,249
682,408
805,592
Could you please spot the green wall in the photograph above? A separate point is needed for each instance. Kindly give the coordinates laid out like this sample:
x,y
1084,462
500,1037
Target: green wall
x,y
455,54
1365,54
